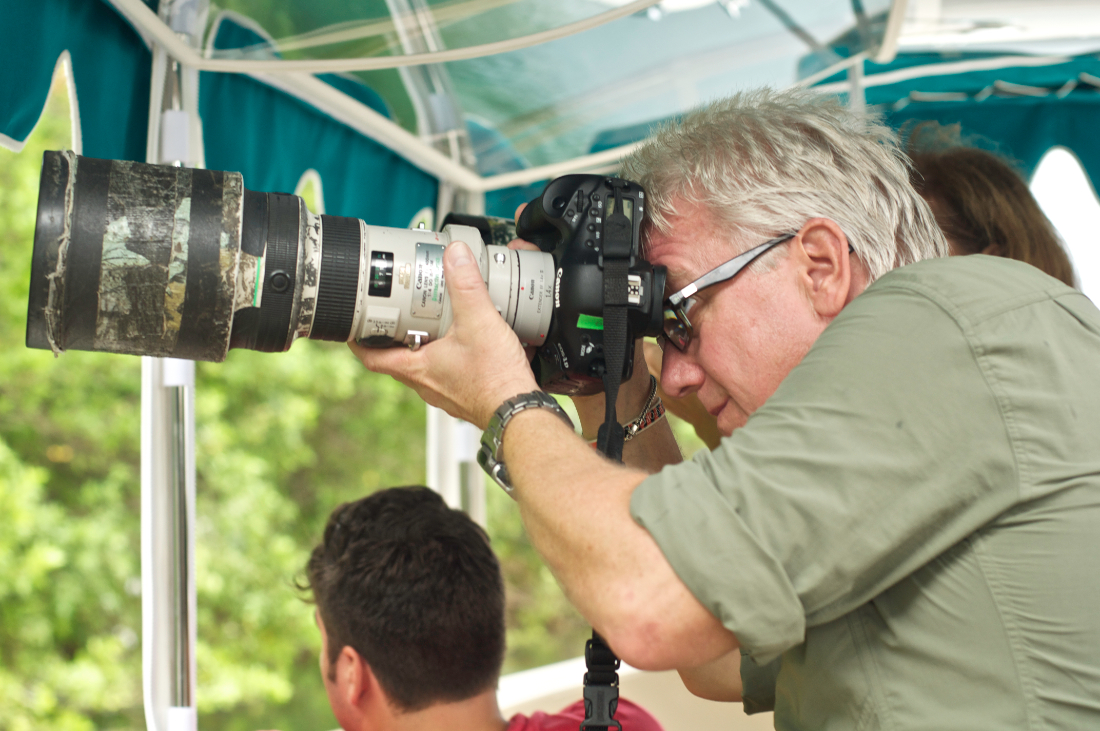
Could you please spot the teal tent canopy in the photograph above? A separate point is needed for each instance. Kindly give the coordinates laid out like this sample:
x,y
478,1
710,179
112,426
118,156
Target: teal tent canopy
x,y
273,137
561,98
528,85
110,71
1019,106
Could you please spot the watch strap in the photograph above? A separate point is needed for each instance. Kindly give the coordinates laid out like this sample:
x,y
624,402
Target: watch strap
x,y
489,456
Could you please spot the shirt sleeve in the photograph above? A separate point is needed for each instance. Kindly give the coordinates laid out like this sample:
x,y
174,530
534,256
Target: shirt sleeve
x,y
758,684
885,446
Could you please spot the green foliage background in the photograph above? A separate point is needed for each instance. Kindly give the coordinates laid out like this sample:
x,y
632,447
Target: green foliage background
x,y
281,440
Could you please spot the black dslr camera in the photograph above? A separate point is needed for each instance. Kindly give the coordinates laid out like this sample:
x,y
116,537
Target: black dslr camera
x,y
578,220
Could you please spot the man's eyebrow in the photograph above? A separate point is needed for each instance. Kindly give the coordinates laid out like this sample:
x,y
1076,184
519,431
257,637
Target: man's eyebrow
x,y
676,274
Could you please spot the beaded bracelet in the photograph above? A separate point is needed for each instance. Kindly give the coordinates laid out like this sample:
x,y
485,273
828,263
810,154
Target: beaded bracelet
x,y
653,410
646,420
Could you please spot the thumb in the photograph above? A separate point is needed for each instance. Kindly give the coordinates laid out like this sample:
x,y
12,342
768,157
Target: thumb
x,y
465,286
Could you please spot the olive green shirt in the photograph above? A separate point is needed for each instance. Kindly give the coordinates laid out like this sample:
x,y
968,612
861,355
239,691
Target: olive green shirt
x,y
912,520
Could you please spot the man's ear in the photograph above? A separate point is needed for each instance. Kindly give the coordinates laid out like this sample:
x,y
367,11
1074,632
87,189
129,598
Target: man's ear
x,y
356,682
826,266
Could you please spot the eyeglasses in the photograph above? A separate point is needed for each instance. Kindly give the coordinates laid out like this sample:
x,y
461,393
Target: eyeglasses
x,y
677,326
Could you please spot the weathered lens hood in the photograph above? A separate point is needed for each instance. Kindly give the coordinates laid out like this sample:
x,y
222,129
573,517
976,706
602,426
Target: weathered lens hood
x,y
134,258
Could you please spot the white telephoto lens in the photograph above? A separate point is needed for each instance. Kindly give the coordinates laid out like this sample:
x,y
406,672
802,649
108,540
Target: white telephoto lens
x,y
403,293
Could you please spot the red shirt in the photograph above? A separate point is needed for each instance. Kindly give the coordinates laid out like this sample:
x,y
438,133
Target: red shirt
x,y
629,715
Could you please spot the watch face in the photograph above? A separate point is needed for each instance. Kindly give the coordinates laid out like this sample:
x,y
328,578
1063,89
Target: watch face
x,y
500,476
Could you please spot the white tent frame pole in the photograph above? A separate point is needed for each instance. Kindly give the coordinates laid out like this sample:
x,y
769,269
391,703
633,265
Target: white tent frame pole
x,y
366,121
884,54
857,101
167,556
370,123
889,47
168,599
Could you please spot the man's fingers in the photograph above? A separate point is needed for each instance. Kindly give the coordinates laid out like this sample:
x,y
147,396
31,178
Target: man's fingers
x,y
388,361
465,287
521,244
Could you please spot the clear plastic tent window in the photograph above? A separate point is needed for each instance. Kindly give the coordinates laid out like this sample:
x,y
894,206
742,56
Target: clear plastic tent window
x,y
564,98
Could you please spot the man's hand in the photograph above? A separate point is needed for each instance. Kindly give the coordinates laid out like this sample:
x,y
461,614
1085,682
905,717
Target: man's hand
x,y
476,366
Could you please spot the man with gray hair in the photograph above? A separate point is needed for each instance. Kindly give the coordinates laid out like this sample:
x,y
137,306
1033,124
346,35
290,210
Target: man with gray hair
x,y
899,529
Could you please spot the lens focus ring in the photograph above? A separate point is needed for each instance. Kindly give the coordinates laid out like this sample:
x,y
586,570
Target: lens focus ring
x,y
338,288
283,217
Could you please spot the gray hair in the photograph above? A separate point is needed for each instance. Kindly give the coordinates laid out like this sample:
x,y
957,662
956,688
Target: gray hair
x,y
764,162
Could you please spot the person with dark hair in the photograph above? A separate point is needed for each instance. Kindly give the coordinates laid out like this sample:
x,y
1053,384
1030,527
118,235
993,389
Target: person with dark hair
x,y
981,202
410,605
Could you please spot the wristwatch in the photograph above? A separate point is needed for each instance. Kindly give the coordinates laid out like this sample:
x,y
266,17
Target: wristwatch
x,y
492,440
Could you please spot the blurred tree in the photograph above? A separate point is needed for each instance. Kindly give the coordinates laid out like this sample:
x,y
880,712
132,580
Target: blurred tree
x,y
69,534
280,441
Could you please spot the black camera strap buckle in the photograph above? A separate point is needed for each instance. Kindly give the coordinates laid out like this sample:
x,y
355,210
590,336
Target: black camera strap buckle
x,y
618,229
601,686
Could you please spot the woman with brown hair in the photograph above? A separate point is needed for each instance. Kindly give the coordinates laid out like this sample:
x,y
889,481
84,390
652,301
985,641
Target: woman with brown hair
x,y
982,204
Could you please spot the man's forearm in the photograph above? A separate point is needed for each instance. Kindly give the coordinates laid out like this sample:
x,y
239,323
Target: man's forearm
x,y
576,507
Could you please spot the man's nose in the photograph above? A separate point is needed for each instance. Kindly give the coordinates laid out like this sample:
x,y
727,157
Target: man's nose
x,y
680,374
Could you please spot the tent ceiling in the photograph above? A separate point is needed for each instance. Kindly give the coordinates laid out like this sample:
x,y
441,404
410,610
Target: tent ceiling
x,y
1018,76
540,109
548,102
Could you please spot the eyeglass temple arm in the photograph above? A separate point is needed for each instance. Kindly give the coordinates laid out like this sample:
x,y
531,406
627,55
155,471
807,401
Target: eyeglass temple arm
x,y
727,270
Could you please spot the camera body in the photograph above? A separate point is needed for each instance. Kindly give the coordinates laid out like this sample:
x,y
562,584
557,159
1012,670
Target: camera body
x,y
583,221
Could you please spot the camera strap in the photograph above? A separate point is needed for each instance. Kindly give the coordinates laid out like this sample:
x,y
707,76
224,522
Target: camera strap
x,y
611,435
615,262
601,681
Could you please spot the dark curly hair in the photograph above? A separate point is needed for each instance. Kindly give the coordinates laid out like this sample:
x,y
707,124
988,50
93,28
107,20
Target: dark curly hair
x,y
413,586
